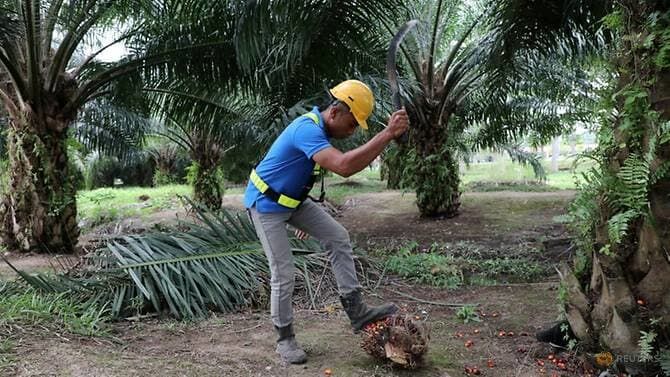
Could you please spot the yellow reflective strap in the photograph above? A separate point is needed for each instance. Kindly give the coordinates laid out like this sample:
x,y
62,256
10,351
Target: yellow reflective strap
x,y
313,117
284,200
288,202
258,182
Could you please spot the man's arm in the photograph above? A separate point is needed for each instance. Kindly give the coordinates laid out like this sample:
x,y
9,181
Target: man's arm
x,y
349,163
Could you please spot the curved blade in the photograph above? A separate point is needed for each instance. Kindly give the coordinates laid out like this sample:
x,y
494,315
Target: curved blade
x,y
391,68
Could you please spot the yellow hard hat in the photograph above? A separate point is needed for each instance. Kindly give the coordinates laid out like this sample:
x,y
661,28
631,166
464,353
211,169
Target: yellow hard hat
x,y
358,97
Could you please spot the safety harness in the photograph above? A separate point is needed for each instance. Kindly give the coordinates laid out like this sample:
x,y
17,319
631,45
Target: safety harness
x,y
286,200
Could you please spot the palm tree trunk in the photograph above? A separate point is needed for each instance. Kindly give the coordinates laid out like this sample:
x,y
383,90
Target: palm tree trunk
x,y
623,289
393,167
436,173
207,186
207,180
206,191
39,211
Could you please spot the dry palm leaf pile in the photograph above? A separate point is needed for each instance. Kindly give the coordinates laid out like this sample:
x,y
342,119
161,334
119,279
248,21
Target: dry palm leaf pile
x,y
397,338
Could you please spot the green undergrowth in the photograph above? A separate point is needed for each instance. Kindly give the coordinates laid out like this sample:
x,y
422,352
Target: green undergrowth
x,y
526,186
465,263
23,309
105,205
24,306
506,175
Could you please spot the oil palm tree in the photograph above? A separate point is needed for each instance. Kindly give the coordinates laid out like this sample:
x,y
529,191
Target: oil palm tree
x,y
620,281
467,89
46,87
615,292
207,131
166,156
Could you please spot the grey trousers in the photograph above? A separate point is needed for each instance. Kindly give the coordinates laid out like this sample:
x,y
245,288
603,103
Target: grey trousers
x,y
334,239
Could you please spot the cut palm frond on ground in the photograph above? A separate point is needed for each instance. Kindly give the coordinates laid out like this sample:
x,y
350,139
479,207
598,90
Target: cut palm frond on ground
x,y
216,264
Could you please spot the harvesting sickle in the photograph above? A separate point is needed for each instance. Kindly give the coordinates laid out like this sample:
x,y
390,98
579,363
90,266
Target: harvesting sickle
x,y
391,67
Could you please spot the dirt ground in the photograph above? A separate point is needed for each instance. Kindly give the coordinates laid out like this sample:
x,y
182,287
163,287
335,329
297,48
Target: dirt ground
x,y
242,344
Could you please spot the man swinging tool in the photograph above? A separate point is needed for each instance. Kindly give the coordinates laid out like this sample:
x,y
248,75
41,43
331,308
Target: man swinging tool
x,y
277,194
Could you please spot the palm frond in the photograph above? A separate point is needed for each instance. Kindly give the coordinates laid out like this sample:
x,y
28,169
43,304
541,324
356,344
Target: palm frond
x,y
546,99
11,29
518,155
300,45
10,26
549,26
216,264
110,128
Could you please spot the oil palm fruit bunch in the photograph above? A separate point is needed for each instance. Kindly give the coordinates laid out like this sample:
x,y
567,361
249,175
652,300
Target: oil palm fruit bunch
x,y
397,338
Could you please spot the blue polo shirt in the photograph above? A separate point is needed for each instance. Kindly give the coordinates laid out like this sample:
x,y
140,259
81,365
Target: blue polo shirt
x,y
288,165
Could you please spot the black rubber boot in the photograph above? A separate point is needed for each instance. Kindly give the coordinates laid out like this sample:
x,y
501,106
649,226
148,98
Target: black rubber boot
x,y
360,314
287,347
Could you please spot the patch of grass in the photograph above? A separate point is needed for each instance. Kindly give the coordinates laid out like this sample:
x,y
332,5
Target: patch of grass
x,y
174,326
28,307
479,186
468,314
425,268
25,308
501,170
508,175
504,269
442,358
7,358
105,205
464,263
